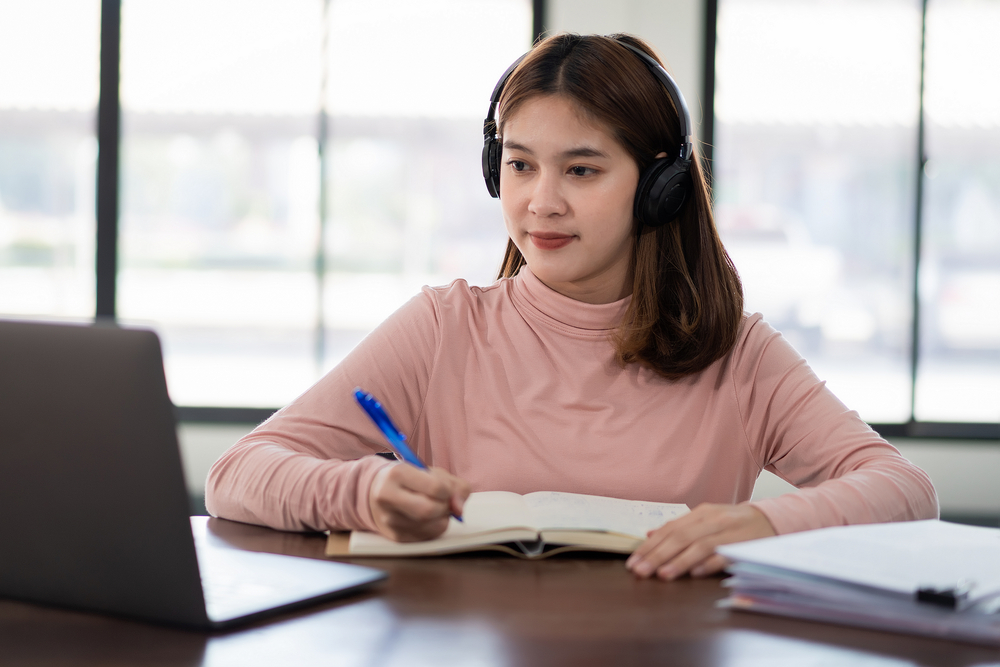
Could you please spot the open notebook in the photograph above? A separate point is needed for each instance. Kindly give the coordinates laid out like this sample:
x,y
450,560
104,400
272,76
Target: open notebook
x,y
534,525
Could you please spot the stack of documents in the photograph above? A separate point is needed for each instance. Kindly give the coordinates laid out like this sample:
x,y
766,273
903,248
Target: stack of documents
x,y
920,577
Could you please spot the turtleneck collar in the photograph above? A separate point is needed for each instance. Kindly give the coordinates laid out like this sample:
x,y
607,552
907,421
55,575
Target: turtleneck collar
x,y
558,309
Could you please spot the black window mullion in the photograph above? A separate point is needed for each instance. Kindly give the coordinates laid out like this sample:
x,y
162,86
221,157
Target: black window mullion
x,y
108,133
918,221
538,19
708,87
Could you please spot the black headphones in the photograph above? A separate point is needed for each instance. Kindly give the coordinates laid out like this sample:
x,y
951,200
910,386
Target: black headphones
x,y
663,187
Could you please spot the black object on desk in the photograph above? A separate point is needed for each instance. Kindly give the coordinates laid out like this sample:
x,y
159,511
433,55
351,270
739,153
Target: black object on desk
x,y
95,509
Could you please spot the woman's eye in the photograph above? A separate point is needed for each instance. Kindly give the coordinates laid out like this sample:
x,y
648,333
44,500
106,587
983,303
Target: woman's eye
x,y
517,165
581,171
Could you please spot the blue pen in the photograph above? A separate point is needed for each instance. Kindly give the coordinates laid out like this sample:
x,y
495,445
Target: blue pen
x,y
396,438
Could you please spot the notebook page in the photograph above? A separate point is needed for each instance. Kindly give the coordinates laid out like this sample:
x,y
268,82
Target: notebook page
x,y
485,514
490,510
554,510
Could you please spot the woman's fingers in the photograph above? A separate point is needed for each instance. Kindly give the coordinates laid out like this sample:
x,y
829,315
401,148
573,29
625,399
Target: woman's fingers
x,y
410,504
459,490
436,483
687,544
668,541
403,529
711,565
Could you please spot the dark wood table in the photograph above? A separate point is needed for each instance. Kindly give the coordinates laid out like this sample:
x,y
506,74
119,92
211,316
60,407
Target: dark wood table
x,y
474,610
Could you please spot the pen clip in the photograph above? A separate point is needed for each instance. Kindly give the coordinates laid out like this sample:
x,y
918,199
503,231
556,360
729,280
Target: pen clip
x,y
378,415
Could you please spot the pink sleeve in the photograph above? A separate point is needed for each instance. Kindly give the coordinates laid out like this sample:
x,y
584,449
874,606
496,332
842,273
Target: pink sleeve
x,y
797,429
311,465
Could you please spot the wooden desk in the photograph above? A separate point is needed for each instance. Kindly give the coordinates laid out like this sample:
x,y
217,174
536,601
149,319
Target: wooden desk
x,y
474,610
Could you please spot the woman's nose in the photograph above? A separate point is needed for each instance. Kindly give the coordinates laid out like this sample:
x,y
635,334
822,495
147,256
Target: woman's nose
x,y
547,197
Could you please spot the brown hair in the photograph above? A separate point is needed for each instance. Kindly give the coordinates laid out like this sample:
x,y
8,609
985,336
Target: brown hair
x,y
687,300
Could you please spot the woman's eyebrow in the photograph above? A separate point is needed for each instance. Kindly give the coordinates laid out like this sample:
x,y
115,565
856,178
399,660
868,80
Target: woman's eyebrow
x,y
582,151
514,146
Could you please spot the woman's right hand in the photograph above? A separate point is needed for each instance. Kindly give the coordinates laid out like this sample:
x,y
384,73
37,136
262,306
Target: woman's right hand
x,y
409,504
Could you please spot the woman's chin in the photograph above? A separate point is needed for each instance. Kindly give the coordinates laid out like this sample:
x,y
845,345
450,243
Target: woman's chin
x,y
557,278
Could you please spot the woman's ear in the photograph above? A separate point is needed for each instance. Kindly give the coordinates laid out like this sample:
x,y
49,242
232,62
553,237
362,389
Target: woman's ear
x,y
661,154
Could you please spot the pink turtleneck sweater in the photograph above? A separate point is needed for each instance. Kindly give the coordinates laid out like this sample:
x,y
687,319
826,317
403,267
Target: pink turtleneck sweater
x,y
515,387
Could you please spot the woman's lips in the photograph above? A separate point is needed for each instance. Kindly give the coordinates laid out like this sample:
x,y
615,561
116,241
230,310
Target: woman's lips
x,y
550,241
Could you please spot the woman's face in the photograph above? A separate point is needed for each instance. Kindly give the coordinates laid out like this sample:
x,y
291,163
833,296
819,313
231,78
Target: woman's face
x,y
566,190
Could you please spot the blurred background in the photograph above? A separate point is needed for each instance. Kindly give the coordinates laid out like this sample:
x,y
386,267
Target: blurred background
x,y
816,172
292,171
221,245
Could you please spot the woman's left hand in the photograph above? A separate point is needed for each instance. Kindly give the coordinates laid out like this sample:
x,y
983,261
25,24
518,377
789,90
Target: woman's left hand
x,y
687,544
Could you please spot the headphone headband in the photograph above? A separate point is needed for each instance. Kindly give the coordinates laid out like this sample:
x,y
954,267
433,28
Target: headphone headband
x,y
489,125
674,91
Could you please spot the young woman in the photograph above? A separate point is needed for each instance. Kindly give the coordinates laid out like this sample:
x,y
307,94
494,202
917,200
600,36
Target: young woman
x,y
612,357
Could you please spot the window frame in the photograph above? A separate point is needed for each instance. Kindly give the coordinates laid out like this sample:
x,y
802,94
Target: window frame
x,y
911,428
107,204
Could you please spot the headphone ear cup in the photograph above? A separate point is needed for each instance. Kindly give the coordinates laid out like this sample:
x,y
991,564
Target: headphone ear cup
x,y
491,166
663,188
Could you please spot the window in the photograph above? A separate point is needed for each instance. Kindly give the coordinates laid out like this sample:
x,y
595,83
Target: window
x,y
822,202
48,150
218,201
958,376
243,122
293,170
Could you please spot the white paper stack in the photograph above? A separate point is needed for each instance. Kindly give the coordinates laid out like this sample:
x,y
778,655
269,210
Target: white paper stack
x,y
921,577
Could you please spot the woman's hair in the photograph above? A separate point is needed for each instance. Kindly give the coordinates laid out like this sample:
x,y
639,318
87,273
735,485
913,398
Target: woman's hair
x,y
687,300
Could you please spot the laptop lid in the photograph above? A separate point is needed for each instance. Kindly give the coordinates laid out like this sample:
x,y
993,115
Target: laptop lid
x,y
95,508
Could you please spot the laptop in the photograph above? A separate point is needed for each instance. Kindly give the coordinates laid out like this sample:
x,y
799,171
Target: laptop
x,y
94,511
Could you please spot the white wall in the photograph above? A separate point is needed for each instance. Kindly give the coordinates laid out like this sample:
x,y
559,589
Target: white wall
x,y
201,445
965,475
